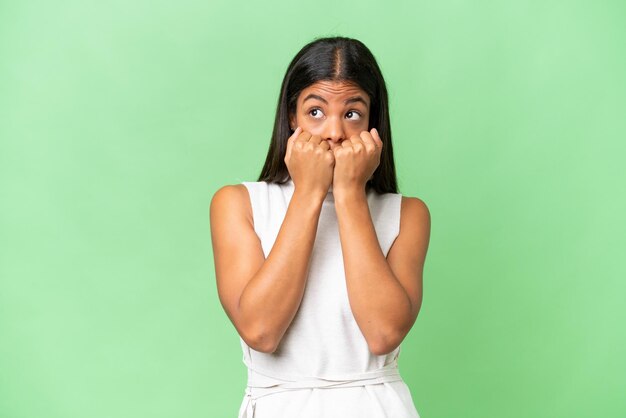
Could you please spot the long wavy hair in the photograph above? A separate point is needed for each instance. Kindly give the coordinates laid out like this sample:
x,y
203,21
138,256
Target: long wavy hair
x,y
339,59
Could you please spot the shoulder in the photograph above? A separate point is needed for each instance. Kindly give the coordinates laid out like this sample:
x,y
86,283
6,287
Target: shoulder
x,y
229,194
414,235
414,204
233,198
414,213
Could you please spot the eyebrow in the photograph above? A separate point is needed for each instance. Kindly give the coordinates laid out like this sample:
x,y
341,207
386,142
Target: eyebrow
x,y
347,101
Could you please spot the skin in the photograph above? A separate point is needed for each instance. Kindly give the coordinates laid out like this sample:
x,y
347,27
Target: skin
x,y
329,146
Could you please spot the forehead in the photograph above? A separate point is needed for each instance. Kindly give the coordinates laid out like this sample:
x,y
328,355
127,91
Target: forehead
x,y
334,91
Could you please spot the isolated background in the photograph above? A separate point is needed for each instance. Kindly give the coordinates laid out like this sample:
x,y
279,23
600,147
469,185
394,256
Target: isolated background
x,y
119,120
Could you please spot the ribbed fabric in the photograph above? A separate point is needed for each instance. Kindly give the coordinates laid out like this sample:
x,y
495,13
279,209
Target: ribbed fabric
x,y
323,367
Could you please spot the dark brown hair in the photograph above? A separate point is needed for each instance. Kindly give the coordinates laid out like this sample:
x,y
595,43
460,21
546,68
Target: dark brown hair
x,y
332,59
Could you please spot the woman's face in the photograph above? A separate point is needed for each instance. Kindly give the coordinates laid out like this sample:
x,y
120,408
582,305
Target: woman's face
x,y
333,110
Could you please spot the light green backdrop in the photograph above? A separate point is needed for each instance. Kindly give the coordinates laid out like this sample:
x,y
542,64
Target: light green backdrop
x,y
120,119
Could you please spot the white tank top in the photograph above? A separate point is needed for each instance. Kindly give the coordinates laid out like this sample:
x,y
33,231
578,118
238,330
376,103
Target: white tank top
x,y
322,366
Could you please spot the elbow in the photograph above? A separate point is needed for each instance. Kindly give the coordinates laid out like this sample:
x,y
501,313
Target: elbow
x,y
382,349
385,343
261,342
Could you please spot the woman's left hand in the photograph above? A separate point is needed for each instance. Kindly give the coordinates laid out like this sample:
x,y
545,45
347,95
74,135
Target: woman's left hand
x,y
356,160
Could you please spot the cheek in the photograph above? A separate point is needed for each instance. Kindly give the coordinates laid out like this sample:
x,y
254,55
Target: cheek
x,y
361,126
310,124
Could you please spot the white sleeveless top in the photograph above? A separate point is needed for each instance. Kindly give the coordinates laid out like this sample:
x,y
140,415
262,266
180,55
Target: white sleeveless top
x,y
322,366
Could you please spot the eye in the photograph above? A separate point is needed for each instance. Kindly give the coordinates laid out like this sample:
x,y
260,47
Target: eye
x,y
354,112
315,109
319,111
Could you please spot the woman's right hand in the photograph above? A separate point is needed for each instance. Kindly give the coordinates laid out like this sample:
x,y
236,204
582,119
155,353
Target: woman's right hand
x,y
310,162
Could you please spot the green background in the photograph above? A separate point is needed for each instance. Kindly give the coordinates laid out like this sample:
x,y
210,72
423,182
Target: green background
x,y
119,121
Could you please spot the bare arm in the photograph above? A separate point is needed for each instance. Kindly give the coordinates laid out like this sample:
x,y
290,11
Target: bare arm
x,y
385,293
261,296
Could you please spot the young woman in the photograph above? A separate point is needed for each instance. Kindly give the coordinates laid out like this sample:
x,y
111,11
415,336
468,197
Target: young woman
x,y
319,263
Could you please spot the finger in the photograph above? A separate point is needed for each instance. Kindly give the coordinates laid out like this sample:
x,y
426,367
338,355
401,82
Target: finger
x,y
354,140
376,136
315,139
294,135
368,140
304,136
348,142
291,140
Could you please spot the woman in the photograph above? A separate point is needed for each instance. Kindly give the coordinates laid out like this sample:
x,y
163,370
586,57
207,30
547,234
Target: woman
x,y
319,263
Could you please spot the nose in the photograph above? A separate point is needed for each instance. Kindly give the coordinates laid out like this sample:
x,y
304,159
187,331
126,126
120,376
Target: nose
x,y
334,132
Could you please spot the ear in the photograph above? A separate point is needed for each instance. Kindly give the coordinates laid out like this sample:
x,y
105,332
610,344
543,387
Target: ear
x,y
292,122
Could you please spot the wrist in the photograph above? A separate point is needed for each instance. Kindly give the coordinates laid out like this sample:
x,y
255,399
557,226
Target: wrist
x,y
311,195
349,193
